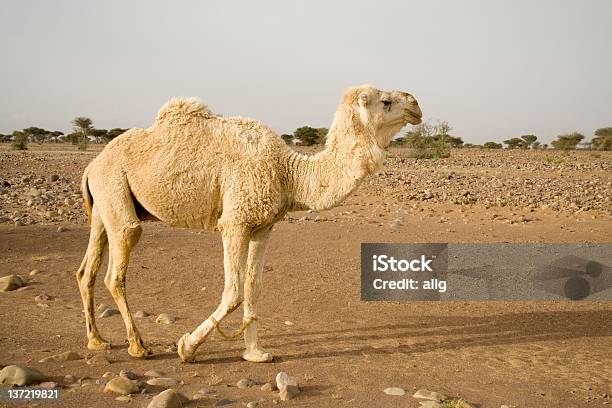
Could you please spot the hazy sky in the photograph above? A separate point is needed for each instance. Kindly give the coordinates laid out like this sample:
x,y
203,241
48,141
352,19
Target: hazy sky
x,y
493,69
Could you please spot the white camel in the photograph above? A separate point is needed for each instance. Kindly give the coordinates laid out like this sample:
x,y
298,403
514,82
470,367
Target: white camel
x,y
195,169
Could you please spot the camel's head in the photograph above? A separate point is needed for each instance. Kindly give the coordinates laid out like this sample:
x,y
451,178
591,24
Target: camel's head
x,y
385,112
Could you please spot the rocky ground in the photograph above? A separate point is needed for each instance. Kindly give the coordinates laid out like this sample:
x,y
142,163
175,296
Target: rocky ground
x,y
338,350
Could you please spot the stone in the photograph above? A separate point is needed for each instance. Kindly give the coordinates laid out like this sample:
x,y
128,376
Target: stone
x,y
153,373
42,297
268,387
283,380
167,399
214,379
69,379
101,307
140,314
163,382
130,375
245,383
48,384
429,395
289,323
109,312
394,391
67,356
20,375
289,392
108,374
62,228
124,398
11,282
54,177
34,272
165,318
252,404
121,385
99,360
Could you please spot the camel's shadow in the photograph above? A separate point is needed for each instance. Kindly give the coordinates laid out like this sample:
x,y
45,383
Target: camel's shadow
x,y
462,332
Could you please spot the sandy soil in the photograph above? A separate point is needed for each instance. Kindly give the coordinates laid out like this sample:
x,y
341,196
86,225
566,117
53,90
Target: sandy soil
x,y
344,352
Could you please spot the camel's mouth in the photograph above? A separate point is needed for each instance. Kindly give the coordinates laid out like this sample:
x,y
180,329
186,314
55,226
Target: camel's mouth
x,y
414,118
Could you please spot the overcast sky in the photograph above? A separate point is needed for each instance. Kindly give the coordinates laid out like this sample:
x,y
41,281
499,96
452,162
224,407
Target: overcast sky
x,y
493,69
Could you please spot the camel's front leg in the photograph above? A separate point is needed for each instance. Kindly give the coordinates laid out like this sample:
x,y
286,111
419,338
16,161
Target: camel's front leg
x,y
252,290
235,248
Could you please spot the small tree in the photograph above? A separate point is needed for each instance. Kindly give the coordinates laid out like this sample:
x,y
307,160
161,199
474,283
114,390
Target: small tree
x,y
603,139
20,140
529,140
492,145
322,134
36,134
287,138
82,128
514,143
307,135
567,142
113,133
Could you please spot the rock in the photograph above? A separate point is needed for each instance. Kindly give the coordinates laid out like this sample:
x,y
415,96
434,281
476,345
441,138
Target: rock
x,y
394,391
223,402
19,223
121,385
42,297
395,225
167,399
172,348
124,398
68,201
140,314
34,272
99,360
20,375
283,380
245,383
165,318
48,384
289,392
214,380
429,395
62,228
130,375
54,177
11,282
108,374
252,404
69,379
153,373
268,387
163,382
288,323
67,356
109,312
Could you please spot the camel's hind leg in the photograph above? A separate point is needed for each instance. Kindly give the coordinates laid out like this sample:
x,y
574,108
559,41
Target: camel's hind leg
x,y
86,277
123,230
252,290
235,248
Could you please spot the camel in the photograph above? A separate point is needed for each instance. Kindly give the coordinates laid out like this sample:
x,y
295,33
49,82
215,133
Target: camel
x,y
195,169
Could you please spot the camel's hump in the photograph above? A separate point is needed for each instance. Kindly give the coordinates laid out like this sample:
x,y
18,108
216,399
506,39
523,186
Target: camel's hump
x,y
183,108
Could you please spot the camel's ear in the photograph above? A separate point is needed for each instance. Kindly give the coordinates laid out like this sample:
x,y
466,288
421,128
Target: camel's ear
x,y
363,99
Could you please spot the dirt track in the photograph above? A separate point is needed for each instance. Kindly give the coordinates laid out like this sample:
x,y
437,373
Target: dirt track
x,y
343,351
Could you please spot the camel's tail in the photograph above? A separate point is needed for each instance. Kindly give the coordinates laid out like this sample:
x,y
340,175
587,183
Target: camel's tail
x,y
87,198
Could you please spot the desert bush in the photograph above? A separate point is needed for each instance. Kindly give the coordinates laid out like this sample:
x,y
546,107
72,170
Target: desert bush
x,y
603,139
20,140
492,145
426,141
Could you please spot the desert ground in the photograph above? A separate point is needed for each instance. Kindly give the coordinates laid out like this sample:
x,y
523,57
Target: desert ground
x,y
343,352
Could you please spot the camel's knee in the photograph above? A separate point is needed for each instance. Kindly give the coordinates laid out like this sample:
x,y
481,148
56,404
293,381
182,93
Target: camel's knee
x,y
131,233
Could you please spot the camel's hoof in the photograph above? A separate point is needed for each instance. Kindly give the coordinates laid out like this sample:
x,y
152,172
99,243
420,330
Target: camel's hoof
x,y
138,350
258,356
98,344
185,355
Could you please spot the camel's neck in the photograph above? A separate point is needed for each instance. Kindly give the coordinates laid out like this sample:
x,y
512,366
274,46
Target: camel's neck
x,y
325,179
